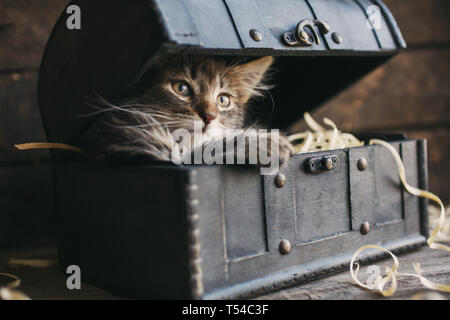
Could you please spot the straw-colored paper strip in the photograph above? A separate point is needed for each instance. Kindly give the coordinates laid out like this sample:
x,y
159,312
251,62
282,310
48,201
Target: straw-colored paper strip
x,y
47,145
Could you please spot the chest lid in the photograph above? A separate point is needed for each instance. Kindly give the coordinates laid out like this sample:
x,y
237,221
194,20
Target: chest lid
x,y
322,46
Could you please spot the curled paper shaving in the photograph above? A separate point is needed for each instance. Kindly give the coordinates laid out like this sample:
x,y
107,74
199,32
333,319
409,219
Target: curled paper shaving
x,y
47,145
391,275
36,263
322,139
434,217
9,292
380,282
419,193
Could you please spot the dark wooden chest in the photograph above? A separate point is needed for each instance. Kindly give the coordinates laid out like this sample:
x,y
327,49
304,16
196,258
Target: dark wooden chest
x,y
221,231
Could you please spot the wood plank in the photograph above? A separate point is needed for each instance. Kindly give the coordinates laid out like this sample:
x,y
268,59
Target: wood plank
x,y
438,159
423,23
21,120
46,283
434,265
50,283
25,26
410,90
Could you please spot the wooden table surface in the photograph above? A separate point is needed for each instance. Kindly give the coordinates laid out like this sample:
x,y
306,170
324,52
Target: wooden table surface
x,y
50,283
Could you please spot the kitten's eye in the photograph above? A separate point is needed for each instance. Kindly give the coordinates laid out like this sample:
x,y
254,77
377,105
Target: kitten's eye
x,y
181,88
223,101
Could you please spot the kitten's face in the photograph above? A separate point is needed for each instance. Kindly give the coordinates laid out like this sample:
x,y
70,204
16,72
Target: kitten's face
x,y
204,89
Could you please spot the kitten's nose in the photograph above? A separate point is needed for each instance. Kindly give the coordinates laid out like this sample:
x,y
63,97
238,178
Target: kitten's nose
x,y
208,117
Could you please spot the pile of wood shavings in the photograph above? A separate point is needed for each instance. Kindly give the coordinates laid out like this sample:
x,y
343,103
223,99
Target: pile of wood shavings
x,y
321,139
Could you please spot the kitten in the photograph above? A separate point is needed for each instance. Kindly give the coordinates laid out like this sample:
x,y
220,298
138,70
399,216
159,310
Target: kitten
x,y
182,90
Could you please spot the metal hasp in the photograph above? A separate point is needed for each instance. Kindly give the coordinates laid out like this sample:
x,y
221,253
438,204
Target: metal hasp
x,y
318,164
305,33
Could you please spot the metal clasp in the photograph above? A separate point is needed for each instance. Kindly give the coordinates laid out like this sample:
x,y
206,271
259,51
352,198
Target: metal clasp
x,y
305,33
318,164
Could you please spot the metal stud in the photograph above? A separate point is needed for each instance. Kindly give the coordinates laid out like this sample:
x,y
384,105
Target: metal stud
x,y
328,164
362,164
365,227
285,246
337,38
280,180
256,35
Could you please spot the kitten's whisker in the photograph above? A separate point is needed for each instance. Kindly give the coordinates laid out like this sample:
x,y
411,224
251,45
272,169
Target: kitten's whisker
x,y
152,125
232,64
273,103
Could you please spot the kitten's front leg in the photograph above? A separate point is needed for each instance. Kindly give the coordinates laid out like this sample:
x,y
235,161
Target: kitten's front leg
x,y
285,149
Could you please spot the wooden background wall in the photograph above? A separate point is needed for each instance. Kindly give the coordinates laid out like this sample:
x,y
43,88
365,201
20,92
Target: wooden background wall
x,y
26,212
410,94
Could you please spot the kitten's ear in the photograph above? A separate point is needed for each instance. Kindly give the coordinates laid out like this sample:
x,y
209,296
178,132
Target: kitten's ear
x,y
247,77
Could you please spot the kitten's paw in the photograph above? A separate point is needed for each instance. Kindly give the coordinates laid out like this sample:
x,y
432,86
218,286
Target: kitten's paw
x,y
286,151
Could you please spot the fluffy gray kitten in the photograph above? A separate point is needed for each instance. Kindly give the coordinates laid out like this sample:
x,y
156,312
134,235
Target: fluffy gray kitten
x,y
181,91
